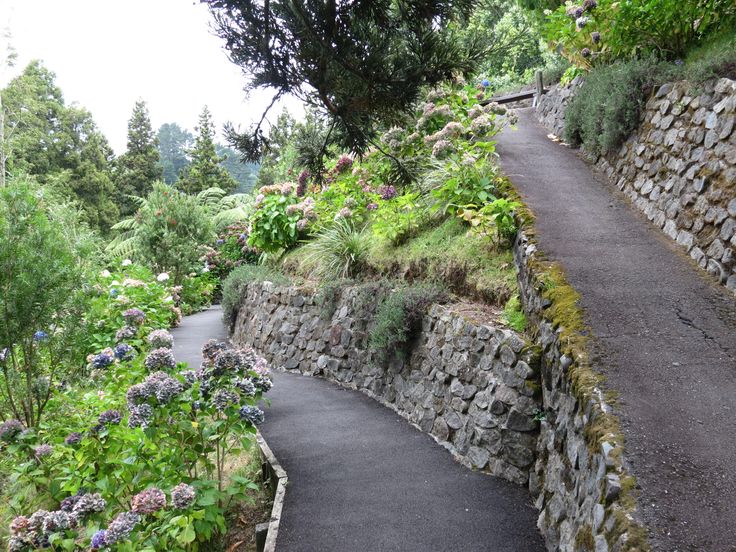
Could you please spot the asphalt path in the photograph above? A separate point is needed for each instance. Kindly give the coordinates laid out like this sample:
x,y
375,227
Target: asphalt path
x,y
362,479
664,337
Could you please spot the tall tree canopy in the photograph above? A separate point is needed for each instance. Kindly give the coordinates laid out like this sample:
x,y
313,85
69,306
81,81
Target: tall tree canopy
x,y
360,60
138,167
205,170
58,143
173,143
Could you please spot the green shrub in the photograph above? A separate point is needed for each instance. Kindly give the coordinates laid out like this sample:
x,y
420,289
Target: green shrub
x,y
235,284
42,256
399,317
608,107
338,252
274,222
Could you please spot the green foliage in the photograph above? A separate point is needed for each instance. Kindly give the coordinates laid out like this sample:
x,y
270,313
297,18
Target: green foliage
x,y
372,69
169,232
138,167
205,169
173,144
273,224
608,107
58,144
399,219
513,314
497,218
43,253
465,262
197,292
338,252
590,35
244,174
399,317
467,181
235,284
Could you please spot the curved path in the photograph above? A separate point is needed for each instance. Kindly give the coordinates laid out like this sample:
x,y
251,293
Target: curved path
x,y
362,479
665,337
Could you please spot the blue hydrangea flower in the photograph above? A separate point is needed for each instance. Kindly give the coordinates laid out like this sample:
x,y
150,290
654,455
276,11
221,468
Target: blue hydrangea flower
x,y
485,83
98,539
124,352
252,414
40,336
113,292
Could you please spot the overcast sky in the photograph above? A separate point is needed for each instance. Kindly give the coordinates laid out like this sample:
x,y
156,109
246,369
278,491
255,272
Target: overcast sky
x,y
108,53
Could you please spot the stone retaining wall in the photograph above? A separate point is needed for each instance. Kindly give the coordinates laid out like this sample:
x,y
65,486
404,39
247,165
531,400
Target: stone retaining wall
x,y
552,106
679,167
579,476
472,386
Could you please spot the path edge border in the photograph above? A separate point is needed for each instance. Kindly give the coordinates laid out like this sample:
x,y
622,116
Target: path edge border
x,y
279,475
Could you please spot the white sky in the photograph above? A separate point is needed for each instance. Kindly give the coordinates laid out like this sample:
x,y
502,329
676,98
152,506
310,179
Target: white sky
x,y
108,53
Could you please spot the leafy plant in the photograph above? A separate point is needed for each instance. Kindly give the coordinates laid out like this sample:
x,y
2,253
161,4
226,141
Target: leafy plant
x,y
399,219
513,314
497,217
273,224
235,284
43,256
338,252
399,317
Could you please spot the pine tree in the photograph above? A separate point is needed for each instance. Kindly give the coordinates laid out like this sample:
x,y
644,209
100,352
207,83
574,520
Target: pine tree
x,y
138,167
205,170
173,143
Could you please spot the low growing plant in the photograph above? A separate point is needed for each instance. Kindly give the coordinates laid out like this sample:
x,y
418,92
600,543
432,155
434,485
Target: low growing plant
x,y
338,252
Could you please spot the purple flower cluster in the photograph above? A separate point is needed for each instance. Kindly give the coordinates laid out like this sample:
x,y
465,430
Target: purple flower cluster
x,y
109,417
126,332
182,496
73,438
10,429
251,414
301,183
263,383
98,540
43,450
343,164
103,359
160,359
121,527
159,386
124,352
387,192
140,416
246,387
134,316
212,348
161,339
223,398
149,501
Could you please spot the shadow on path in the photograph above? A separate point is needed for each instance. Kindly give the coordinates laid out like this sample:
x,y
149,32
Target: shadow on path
x,y
665,337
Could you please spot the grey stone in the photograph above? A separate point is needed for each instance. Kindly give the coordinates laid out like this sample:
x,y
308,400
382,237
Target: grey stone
x,y
613,487
478,457
686,239
518,421
440,429
599,513
454,420
732,208
601,545
711,120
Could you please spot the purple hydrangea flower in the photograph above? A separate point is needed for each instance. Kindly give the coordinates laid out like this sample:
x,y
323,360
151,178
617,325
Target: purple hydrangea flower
x,y
109,417
301,183
219,241
98,540
263,383
230,360
121,527
224,398
212,348
73,438
159,359
161,339
134,316
182,496
69,502
43,450
140,416
126,332
4,354
149,501
246,387
124,352
252,414
343,164
104,358
585,52
57,520
387,192
88,504
10,429
595,37
372,206
20,525
590,4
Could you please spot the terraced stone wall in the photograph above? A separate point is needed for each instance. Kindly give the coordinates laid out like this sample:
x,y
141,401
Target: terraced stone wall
x,y
472,386
679,167
580,483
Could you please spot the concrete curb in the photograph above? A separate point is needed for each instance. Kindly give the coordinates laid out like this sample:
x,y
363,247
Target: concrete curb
x,y
276,475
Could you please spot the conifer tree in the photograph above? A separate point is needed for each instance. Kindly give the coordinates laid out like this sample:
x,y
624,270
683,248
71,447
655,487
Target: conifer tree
x,y
173,143
205,170
138,167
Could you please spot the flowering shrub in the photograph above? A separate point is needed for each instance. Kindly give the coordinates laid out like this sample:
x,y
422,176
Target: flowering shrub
x,y
273,224
231,250
173,432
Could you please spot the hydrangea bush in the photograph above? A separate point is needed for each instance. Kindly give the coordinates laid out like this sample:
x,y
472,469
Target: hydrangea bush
x,y
139,463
